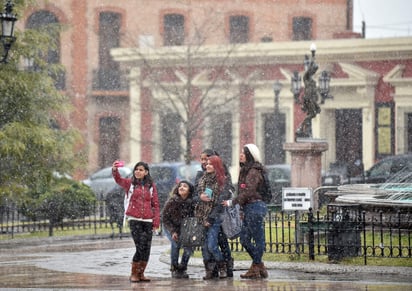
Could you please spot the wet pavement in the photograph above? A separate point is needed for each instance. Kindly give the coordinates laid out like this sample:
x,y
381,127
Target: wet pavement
x,y
104,264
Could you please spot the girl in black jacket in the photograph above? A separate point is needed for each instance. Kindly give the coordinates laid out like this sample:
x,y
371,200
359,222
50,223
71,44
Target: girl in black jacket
x,y
179,206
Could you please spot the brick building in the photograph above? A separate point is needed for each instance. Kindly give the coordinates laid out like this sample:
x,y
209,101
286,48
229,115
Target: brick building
x,y
126,61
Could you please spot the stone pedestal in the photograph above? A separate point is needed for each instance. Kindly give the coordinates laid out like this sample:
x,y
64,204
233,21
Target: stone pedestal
x,y
306,164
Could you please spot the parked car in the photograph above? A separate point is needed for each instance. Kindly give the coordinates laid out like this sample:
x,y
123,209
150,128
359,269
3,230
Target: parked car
x,y
166,175
279,177
392,169
102,182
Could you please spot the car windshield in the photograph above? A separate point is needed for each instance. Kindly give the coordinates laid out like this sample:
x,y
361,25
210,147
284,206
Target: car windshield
x,y
161,174
276,174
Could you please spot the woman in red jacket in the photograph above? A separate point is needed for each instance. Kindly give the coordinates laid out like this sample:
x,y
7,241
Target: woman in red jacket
x,y
143,213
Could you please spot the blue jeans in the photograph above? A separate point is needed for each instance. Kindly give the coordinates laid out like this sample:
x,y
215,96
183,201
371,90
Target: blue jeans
x,y
210,249
252,236
175,251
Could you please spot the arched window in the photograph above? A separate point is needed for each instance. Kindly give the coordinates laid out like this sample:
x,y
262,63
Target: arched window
x,y
273,145
170,134
41,19
221,135
109,135
108,74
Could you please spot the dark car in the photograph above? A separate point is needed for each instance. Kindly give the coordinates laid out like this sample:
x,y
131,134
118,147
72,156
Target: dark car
x,y
167,175
279,177
392,169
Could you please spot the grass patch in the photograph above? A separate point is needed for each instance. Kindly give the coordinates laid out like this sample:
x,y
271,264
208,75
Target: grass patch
x,y
101,230
304,258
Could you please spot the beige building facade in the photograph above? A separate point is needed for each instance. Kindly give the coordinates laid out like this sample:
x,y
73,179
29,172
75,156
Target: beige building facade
x,y
112,49
357,67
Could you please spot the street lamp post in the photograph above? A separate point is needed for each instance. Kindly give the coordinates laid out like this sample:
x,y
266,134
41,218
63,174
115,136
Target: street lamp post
x,y
277,86
324,80
277,138
296,86
7,37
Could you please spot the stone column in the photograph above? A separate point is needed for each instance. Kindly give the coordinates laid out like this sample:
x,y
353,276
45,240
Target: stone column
x,y
306,164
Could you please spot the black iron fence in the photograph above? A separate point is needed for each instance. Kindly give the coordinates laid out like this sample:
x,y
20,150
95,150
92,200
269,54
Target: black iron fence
x,y
106,217
342,231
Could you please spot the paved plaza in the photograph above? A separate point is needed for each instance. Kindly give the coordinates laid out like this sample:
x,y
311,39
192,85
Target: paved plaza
x,y
104,264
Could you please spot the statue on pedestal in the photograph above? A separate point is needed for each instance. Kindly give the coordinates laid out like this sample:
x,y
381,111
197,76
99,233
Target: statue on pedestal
x,y
310,99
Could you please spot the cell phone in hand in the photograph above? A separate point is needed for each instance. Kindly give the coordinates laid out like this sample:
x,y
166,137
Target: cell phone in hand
x,y
209,192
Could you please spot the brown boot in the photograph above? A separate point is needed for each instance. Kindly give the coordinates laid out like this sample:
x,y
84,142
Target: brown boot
x,y
134,277
140,271
209,266
252,273
222,269
262,270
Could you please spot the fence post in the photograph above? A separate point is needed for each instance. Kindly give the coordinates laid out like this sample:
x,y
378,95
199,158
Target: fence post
x,y
12,219
365,249
297,232
311,236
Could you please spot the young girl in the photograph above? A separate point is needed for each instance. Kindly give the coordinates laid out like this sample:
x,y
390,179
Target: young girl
x,y
179,206
142,212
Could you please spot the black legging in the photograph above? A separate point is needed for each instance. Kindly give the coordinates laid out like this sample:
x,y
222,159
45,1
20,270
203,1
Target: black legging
x,y
224,245
142,236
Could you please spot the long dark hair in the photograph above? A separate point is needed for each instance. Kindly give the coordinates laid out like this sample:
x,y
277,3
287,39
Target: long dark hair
x,y
147,179
249,157
250,162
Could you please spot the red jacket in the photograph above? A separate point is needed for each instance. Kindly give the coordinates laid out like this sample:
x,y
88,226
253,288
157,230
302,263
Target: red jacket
x,y
144,202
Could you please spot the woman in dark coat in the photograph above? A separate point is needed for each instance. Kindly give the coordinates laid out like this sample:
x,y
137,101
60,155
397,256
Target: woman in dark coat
x,y
252,236
179,206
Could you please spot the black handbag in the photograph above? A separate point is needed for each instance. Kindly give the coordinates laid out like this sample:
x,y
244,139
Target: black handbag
x,y
192,232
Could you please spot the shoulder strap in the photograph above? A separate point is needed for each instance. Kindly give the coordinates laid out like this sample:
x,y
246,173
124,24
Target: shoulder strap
x,y
130,192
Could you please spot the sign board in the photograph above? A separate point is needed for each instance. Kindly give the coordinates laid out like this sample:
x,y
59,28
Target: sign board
x,y
297,198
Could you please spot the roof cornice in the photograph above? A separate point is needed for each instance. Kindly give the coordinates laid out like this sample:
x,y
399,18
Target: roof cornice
x,y
341,50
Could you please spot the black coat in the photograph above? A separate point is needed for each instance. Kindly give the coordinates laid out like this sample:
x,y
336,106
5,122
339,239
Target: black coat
x,y
175,210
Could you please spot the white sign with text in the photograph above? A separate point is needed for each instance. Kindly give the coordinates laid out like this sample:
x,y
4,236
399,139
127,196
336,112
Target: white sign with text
x,y
297,198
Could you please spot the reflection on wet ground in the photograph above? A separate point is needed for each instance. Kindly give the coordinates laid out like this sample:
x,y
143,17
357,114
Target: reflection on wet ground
x,y
105,265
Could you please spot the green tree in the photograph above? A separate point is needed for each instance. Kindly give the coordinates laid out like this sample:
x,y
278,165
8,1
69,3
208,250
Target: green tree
x,y
33,147
64,198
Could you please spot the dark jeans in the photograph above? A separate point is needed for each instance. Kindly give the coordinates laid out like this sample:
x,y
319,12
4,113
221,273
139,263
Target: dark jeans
x,y
175,250
252,236
210,249
142,236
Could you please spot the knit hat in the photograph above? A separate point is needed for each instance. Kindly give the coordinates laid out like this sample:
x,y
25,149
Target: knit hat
x,y
191,187
254,151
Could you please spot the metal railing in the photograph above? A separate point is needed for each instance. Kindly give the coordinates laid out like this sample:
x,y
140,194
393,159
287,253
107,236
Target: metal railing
x,y
343,231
